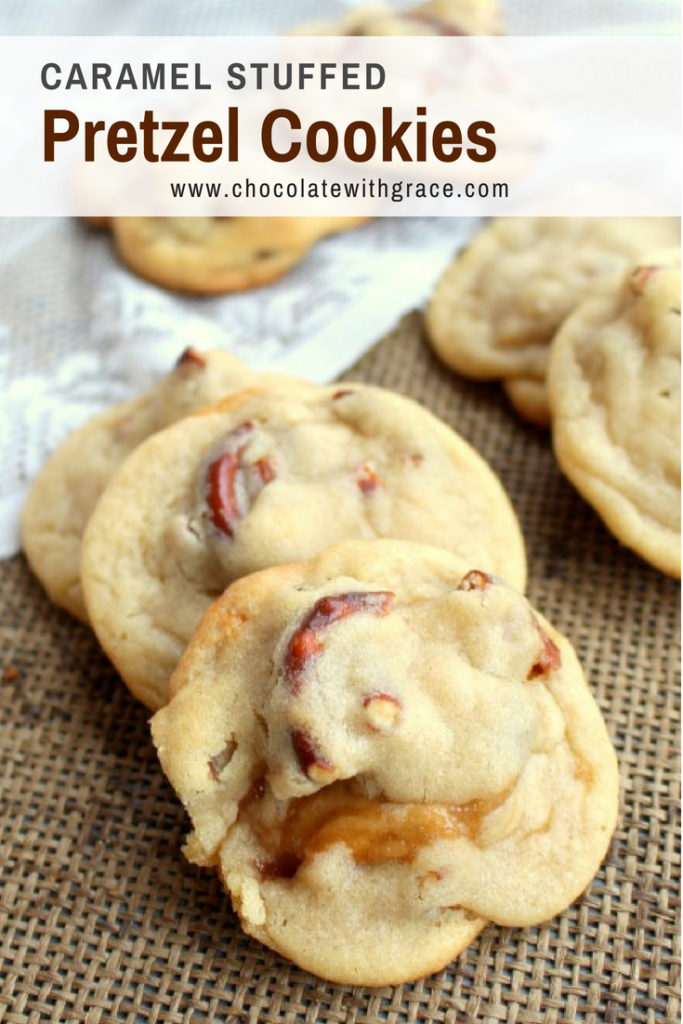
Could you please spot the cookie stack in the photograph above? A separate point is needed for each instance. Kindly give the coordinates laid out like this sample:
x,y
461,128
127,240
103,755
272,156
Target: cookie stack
x,y
381,745
382,751
581,320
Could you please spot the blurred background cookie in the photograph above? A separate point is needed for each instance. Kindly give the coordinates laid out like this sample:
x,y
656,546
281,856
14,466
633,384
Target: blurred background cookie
x,y
496,308
436,17
615,393
210,255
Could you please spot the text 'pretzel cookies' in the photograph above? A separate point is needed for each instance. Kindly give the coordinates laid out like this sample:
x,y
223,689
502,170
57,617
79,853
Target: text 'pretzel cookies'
x,y
269,477
380,751
213,255
67,489
614,379
494,312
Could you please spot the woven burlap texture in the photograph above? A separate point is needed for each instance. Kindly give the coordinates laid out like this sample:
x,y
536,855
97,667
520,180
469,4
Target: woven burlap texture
x,y
101,919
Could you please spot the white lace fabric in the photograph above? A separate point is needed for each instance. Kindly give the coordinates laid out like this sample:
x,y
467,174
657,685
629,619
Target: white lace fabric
x,y
78,331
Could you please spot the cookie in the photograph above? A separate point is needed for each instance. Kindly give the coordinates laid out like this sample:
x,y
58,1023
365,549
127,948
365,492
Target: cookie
x,y
209,255
496,308
265,478
615,394
380,751
529,396
436,17
63,496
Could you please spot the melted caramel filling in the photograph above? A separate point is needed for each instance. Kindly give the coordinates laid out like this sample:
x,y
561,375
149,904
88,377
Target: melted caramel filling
x,y
375,831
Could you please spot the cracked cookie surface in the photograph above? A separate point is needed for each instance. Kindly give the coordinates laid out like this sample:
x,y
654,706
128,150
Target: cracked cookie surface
x,y
265,478
67,489
614,384
380,751
496,308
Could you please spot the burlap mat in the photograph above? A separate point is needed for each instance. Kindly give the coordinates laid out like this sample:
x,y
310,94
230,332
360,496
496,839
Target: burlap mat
x,y
102,920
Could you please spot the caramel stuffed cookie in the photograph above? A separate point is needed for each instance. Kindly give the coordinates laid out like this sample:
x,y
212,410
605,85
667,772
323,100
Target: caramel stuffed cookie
x,y
269,477
382,750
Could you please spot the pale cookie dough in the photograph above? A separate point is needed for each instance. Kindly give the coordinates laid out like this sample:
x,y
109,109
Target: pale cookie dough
x,y
266,478
380,751
219,254
615,393
66,491
496,308
436,17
